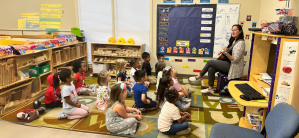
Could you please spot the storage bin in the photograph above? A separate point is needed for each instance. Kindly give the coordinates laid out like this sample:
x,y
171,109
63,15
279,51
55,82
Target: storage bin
x,y
44,69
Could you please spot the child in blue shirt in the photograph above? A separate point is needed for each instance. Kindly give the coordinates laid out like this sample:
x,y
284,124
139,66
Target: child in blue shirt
x,y
140,92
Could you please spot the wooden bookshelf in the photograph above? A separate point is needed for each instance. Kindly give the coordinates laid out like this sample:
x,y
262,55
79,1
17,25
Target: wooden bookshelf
x,y
118,51
30,89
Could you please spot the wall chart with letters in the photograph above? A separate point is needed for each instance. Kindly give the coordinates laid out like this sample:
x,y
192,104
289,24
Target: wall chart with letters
x,y
190,30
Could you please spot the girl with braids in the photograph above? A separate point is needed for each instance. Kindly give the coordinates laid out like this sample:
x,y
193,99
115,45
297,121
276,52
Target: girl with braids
x,y
171,121
119,117
72,108
103,90
52,96
165,83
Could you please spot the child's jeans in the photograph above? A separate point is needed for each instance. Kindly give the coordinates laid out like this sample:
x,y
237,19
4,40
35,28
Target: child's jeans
x,y
176,127
79,113
129,94
179,103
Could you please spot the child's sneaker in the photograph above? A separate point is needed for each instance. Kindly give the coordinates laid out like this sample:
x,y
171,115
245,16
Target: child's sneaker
x,y
184,132
194,79
62,116
187,100
185,106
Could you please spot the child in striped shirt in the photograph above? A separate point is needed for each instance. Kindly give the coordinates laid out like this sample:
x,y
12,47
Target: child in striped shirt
x,y
171,121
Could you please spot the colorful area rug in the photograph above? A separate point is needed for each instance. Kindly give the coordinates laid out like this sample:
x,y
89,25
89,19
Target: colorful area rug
x,y
206,110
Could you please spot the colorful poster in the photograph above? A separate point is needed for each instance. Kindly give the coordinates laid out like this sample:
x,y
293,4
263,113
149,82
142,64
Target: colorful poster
x,y
204,1
200,51
223,1
50,23
162,50
168,1
169,49
254,24
247,36
245,63
175,50
242,23
182,50
207,51
194,50
248,18
188,51
184,43
186,1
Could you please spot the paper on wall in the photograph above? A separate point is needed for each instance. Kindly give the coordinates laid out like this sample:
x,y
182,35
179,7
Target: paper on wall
x,y
45,15
45,10
207,16
21,23
56,15
207,9
57,11
206,21
51,5
205,40
205,35
206,28
30,14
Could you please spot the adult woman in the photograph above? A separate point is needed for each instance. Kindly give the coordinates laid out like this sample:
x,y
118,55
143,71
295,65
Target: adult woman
x,y
232,63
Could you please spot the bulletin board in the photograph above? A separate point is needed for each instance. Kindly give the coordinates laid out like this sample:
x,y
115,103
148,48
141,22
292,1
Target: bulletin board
x,y
186,30
12,10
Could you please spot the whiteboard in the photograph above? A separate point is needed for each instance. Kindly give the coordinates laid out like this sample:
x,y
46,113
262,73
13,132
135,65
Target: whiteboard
x,y
226,16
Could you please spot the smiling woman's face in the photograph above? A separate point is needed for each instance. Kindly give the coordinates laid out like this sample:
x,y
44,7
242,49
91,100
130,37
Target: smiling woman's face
x,y
235,32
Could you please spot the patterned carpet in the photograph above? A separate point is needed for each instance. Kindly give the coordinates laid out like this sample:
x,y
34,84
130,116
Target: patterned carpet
x,y
206,110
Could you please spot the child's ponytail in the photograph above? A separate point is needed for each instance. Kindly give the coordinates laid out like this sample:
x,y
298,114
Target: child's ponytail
x,y
56,80
167,71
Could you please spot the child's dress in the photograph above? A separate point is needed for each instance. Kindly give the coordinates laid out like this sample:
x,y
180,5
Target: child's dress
x,y
117,124
102,97
81,87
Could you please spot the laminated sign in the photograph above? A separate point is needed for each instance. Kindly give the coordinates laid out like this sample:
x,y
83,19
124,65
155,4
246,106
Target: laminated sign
x,y
163,33
164,10
163,43
163,19
163,28
163,23
182,43
164,14
163,38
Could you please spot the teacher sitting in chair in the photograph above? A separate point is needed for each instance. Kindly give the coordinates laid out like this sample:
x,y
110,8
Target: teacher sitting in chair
x,y
231,60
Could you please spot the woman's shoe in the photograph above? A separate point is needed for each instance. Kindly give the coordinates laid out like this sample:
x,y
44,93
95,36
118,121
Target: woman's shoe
x,y
194,79
207,90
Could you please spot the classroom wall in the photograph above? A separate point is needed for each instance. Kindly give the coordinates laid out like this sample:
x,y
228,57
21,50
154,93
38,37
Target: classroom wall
x,y
246,8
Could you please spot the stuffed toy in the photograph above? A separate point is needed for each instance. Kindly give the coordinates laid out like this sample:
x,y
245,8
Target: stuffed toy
x,y
30,114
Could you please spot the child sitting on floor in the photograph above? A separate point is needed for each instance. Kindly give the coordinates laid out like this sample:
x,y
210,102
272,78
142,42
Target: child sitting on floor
x,y
135,65
160,66
122,76
170,71
103,90
72,108
146,66
171,121
119,117
79,68
140,92
52,96
160,58
166,83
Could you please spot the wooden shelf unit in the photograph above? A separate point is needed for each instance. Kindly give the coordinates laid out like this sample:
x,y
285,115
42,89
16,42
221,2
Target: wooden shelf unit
x,y
105,46
37,87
